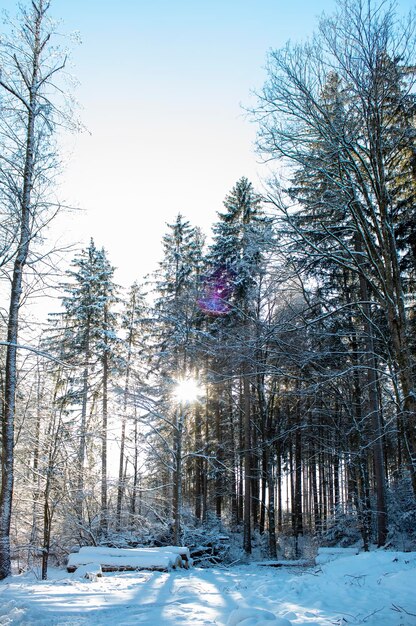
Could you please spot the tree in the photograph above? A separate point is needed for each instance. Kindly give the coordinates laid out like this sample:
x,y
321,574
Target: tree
x,y
30,98
236,262
175,286
324,224
133,355
89,339
369,55
174,352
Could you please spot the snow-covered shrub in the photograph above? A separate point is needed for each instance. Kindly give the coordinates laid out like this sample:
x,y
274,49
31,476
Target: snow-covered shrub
x,y
208,546
342,530
294,548
402,515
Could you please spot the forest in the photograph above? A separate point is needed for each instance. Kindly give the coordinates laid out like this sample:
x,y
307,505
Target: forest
x,y
260,383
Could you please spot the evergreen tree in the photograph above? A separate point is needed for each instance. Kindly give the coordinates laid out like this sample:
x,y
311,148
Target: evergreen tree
x,y
238,241
175,286
134,356
89,340
174,351
236,265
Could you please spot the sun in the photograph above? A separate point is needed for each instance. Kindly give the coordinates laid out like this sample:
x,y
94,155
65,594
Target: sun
x,y
187,390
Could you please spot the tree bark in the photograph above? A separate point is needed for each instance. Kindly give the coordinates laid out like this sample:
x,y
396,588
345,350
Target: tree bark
x,y
376,427
9,401
247,462
177,477
104,432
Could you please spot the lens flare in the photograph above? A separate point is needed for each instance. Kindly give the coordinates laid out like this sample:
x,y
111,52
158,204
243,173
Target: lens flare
x,y
218,288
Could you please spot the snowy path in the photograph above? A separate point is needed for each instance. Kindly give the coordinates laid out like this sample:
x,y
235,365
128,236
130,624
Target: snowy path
x,y
377,589
195,597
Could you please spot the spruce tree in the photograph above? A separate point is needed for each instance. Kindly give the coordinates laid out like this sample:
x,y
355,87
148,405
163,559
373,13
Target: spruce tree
x,y
175,317
235,266
134,357
89,325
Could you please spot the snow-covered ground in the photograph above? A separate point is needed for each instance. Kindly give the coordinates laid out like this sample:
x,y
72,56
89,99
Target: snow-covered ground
x,y
375,589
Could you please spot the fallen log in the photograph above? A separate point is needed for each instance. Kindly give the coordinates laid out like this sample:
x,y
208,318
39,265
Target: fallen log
x,y
286,563
124,561
182,551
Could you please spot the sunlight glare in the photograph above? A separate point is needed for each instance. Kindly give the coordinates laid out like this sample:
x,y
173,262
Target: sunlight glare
x,y
187,390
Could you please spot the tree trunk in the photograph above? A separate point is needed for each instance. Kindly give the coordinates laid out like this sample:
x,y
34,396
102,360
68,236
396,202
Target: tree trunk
x,y
271,510
82,429
177,478
9,401
376,428
135,474
104,429
264,481
121,470
47,527
247,463
297,504
199,465
234,469
219,455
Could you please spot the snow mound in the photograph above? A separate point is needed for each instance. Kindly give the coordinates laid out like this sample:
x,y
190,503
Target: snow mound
x,y
326,555
10,614
92,571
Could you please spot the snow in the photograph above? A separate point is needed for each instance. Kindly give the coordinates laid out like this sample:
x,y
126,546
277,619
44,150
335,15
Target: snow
x,y
90,571
325,555
376,589
122,559
130,558
286,562
182,551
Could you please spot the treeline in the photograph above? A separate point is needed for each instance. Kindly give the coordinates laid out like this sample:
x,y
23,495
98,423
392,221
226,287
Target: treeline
x,y
296,320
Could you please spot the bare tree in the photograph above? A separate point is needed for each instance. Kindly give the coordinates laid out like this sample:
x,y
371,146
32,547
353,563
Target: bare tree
x,y
364,51
30,67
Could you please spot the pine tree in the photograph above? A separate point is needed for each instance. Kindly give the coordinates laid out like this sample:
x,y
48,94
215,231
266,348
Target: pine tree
x,y
175,354
133,354
89,327
236,264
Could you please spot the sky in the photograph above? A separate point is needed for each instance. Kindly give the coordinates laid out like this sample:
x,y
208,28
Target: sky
x,y
161,89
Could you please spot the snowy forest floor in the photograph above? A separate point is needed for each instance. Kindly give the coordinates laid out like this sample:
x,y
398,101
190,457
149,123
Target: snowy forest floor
x,y
375,589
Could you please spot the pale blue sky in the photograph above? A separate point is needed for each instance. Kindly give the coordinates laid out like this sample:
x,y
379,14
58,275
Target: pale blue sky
x,y
161,83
